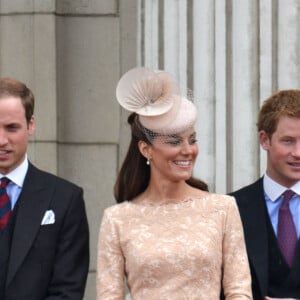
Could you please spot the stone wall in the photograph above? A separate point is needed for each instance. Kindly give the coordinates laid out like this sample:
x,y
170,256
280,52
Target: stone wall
x,y
71,54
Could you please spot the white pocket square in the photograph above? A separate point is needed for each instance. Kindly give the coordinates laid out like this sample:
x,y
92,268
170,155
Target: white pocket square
x,y
49,218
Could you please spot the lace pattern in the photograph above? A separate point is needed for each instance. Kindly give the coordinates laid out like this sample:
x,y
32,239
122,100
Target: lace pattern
x,y
173,250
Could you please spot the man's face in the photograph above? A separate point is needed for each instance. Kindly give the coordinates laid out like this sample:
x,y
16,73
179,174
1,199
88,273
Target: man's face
x,y
14,133
283,151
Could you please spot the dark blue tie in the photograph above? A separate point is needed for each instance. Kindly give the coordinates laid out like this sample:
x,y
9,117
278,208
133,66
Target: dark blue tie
x,y
287,235
5,206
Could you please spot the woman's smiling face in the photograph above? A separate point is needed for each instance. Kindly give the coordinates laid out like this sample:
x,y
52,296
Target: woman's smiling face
x,y
173,156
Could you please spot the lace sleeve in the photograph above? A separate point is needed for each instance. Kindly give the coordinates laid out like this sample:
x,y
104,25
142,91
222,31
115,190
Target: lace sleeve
x,y
236,272
110,262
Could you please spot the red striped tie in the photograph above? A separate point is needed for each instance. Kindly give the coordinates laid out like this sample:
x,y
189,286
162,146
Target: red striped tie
x,y
5,206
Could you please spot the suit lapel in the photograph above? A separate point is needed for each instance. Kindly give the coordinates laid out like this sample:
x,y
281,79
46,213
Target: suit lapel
x,y
34,200
253,212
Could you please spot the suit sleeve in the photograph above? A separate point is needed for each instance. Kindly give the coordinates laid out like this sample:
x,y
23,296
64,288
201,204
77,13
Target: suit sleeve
x,y
110,264
236,273
71,263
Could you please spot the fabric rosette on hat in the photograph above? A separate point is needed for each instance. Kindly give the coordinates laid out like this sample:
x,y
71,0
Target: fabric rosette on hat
x,y
155,96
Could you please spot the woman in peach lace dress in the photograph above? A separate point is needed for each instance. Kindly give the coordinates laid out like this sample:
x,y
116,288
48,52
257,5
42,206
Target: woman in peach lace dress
x,y
167,237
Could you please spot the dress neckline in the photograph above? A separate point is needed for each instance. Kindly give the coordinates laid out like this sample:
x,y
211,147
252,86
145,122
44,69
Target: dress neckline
x,y
174,203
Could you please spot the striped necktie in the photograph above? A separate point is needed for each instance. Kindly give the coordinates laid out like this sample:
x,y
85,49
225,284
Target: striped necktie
x,y
5,206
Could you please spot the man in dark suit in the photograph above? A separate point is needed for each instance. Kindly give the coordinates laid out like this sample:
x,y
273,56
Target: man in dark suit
x,y
44,237
275,268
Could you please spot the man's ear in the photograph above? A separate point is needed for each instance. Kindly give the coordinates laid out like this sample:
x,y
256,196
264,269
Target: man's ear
x,y
145,149
264,140
31,126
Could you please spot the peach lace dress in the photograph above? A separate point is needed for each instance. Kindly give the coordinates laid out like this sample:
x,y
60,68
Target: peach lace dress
x,y
173,251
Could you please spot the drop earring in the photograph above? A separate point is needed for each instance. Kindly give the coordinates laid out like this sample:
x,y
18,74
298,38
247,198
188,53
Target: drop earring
x,y
148,162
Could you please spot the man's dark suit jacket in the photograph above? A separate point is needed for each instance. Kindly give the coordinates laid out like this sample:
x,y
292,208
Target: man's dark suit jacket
x,y
51,261
252,207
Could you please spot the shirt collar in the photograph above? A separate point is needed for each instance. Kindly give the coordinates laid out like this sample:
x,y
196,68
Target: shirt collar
x,y
274,190
17,175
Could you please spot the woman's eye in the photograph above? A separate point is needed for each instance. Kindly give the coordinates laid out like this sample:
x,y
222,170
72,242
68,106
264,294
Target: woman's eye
x,y
175,142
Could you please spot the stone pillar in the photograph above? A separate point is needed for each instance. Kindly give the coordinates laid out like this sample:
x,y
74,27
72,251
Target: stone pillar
x,y
237,53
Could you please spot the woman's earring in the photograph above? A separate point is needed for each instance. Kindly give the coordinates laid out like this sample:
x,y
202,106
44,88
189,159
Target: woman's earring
x,y
148,161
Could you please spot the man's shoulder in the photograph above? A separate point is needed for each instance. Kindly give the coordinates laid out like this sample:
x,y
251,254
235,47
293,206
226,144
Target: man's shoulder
x,y
255,187
50,178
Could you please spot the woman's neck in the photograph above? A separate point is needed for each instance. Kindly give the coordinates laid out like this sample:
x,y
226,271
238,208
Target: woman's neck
x,y
168,191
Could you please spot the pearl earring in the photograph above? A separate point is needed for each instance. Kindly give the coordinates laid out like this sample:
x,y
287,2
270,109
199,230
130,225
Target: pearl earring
x,y
148,161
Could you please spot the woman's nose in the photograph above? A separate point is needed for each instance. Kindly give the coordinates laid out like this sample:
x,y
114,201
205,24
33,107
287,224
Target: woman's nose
x,y
186,148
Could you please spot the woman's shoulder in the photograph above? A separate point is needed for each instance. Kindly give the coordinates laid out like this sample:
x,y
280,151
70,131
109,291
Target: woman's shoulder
x,y
118,210
222,198
215,200
196,193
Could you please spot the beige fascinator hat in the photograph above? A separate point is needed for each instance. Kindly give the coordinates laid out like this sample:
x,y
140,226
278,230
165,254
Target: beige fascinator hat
x,y
155,97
